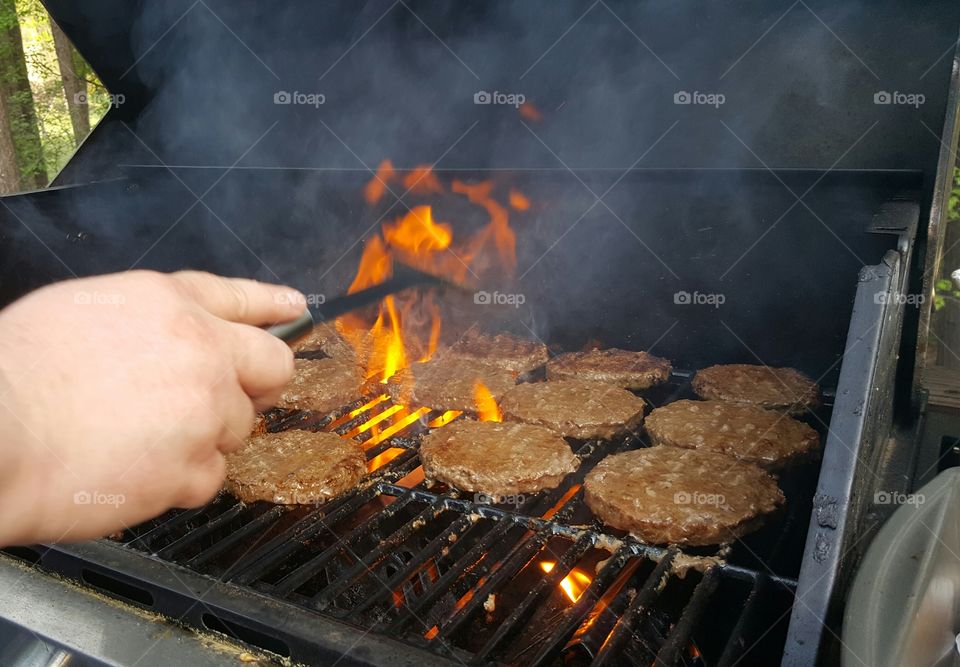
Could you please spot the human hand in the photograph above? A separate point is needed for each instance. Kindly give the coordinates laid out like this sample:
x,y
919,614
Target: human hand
x,y
120,394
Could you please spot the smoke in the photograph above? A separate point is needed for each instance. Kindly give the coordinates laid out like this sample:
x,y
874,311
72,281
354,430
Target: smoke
x,y
301,98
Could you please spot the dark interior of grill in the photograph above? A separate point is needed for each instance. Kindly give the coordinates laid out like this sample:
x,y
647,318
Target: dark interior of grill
x,y
797,204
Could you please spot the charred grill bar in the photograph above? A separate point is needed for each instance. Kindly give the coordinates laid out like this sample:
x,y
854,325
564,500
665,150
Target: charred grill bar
x,y
812,209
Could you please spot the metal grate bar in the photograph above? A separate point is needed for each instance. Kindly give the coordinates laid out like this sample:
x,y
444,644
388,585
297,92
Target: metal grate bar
x,y
170,551
253,565
455,530
257,525
679,638
500,572
546,584
307,571
574,615
473,557
610,651
733,650
144,541
310,568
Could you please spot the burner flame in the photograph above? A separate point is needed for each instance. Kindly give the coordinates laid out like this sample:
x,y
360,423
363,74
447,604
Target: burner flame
x,y
487,408
573,585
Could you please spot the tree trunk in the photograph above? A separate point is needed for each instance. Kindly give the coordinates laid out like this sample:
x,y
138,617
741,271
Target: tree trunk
x,y
9,171
74,87
15,87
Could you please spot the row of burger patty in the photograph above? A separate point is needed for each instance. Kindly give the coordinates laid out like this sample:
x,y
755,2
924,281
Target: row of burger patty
x,y
708,479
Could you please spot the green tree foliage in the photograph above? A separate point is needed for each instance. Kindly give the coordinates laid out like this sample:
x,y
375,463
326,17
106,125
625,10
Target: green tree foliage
x,y
15,86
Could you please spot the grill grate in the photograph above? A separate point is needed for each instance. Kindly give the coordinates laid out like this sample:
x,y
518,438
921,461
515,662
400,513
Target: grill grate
x,y
468,581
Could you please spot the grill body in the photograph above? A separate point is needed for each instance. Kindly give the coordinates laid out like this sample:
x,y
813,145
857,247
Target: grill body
x,y
813,211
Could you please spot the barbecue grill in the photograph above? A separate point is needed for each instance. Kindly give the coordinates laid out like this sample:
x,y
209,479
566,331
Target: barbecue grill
x,y
812,210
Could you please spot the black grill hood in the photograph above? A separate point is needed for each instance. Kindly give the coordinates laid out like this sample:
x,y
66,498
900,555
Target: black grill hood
x,y
799,80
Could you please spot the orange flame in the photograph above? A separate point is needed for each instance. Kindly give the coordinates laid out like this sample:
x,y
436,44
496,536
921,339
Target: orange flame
x,y
498,230
530,112
407,327
422,181
377,185
519,201
417,235
376,265
487,408
574,584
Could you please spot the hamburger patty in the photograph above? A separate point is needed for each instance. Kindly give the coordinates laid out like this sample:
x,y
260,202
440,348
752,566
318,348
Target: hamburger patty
x,y
504,350
630,370
447,383
497,458
324,338
665,495
745,432
783,389
294,467
575,408
322,385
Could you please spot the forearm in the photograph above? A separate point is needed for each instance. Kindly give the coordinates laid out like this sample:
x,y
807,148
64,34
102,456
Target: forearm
x,y
26,477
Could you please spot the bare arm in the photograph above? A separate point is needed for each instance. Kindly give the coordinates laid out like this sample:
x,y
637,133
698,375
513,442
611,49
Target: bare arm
x,y
120,394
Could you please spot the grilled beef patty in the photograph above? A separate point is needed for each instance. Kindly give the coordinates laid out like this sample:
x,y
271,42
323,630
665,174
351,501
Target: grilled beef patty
x,y
446,383
322,385
504,350
665,495
745,432
630,370
497,458
783,389
575,408
294,467
324,338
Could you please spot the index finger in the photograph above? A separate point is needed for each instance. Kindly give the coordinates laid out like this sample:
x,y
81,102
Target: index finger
x,y
240,299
